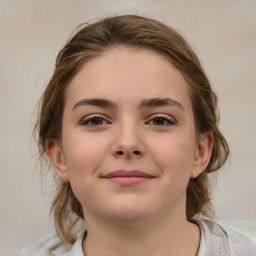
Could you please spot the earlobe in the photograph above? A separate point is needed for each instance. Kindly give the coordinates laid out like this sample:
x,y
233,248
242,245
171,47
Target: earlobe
x,y
203,154
55,153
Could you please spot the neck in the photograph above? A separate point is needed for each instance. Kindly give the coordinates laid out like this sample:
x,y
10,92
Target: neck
x,y
165,236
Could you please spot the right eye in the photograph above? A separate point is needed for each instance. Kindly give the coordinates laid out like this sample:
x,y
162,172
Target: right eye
x,y
93,120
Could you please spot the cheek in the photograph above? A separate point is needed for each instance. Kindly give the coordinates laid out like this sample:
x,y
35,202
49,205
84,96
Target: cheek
x,y
174,155
83,153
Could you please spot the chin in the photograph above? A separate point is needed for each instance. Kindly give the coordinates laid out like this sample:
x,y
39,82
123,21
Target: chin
x,y
128,214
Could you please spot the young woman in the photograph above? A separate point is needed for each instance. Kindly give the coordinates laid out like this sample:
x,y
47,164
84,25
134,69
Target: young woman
x,y
128,121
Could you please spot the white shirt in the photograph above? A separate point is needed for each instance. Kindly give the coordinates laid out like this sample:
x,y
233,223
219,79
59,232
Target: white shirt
x,y
77,249
216,240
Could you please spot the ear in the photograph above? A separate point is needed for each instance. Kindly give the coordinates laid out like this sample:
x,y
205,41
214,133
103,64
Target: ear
x,y
202,154
55,153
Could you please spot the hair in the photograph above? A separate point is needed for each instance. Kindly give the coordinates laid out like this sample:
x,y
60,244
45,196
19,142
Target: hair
x,y
92,40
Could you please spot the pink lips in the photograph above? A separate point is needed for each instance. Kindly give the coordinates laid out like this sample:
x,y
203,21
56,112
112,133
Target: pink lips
x,y
126,178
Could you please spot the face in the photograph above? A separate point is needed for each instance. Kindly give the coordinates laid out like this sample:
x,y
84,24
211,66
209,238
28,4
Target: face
x,y
128,144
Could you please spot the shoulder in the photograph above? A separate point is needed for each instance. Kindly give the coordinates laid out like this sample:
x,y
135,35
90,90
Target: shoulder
x,y
224,239
45,245
77,248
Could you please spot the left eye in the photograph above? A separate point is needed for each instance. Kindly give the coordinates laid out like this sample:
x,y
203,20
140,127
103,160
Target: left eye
x,y
161,121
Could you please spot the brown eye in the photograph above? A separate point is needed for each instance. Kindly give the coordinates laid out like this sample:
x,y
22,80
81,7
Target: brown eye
x,y
93,121
161,121
96,121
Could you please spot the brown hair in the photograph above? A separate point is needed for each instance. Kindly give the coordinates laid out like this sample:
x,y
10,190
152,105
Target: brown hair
x,y
140,32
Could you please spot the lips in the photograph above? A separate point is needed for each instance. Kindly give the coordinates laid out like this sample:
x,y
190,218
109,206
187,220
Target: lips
x,y
126,178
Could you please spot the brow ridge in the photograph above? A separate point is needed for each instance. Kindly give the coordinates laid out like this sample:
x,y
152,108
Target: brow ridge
x,y
146,103
98,102
158,102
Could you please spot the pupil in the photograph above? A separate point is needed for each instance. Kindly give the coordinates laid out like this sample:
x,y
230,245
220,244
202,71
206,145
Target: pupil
x,y
96,121
159,121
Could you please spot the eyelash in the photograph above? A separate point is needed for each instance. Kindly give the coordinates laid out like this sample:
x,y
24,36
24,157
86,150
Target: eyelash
x,y
169,120
90,118
86,121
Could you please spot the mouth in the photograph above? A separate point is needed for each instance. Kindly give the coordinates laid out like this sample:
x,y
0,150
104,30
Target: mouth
x,y
128,178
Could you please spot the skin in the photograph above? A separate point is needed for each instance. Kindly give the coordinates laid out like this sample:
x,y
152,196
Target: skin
x,y
158,140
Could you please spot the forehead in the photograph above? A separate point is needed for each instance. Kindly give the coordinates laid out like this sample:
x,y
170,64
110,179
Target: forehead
x,y
128,73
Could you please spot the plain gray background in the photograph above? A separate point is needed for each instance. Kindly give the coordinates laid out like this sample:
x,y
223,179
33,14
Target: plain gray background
x,y
222,33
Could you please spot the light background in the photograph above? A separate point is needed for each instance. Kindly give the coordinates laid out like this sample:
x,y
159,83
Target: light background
x,y
222,33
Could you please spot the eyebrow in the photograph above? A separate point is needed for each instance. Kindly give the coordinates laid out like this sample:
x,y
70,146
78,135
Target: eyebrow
x,y
103,103
158,102
147,103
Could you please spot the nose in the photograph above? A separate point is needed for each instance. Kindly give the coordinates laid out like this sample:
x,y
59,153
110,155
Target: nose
x,y
128,143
